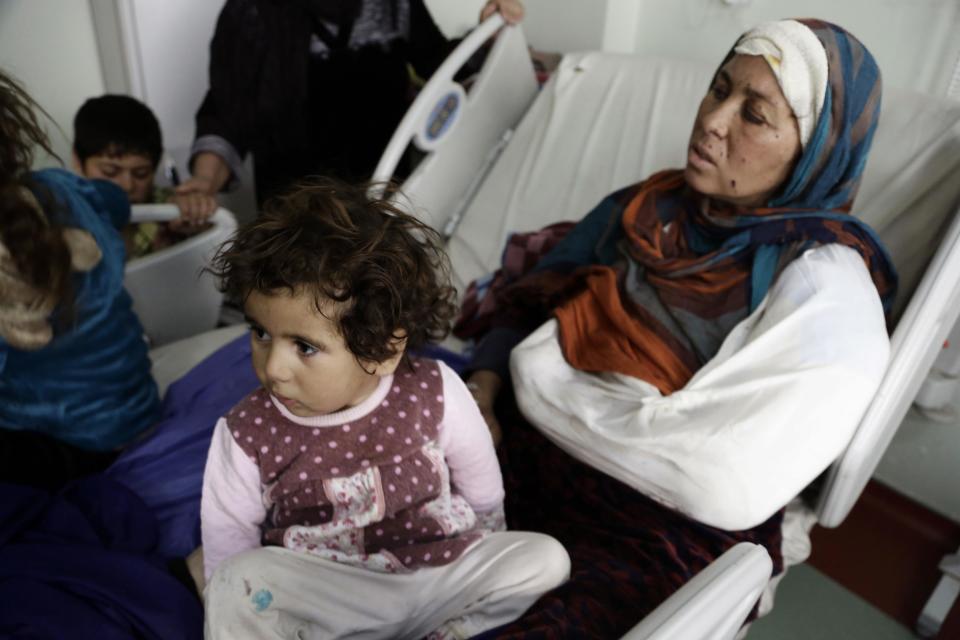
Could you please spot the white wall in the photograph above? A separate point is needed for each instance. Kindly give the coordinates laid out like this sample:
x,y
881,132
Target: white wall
x,y
455,17
159,53
549,25
566,25
50,46
173,40
914,41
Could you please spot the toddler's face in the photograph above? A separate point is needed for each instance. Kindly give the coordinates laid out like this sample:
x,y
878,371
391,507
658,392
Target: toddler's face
x,y
301,358
131,172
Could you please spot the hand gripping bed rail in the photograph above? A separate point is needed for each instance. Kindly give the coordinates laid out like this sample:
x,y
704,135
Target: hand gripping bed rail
x,y
714,604
171,295
464,132
916,341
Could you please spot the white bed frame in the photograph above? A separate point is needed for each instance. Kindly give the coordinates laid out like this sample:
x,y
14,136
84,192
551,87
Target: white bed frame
x,y
716,602
172,297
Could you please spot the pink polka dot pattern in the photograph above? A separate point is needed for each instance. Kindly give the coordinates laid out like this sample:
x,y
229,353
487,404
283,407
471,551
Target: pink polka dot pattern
x,y
409,521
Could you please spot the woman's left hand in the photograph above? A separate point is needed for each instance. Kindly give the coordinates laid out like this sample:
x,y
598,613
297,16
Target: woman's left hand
x,y
511,10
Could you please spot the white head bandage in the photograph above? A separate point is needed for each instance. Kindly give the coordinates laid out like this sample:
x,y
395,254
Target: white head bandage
x,y
798,61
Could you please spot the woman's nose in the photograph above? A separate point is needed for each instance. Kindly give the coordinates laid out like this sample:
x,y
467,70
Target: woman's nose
x,y
716,120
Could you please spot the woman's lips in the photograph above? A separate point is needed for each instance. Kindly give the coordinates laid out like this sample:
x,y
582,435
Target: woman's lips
x,y
699,157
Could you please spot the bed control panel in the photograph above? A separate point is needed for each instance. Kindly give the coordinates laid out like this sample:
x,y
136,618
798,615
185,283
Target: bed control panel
x,y
441,118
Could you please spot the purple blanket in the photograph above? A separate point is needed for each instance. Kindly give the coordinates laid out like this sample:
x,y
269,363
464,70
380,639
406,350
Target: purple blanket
x,y
166,468
83,564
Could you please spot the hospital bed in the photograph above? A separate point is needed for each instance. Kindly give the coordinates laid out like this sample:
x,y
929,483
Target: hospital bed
x,y
506,157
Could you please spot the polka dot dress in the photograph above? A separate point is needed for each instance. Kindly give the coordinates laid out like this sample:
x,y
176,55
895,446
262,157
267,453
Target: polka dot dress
x,y
374,492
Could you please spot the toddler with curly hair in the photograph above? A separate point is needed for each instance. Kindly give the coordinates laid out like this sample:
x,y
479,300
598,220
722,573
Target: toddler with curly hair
x,y
357,493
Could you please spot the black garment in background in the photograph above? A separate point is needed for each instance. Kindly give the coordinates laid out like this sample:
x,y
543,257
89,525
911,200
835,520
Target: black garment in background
x,y
37,460
302,115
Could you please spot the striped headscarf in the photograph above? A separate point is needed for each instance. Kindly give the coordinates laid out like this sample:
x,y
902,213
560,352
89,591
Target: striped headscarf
x,y
695,267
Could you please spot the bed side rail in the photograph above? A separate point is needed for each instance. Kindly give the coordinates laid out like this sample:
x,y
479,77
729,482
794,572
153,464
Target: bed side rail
x,y
714,604
462,132
916,341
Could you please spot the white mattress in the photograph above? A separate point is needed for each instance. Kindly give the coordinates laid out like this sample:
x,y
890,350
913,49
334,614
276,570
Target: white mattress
x,y
607,120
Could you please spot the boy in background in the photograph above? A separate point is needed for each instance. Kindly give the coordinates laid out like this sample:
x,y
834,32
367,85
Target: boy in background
x,y
117,138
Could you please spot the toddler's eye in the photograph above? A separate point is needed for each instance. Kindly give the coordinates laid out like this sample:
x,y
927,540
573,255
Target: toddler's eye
x,y
306,349
259,333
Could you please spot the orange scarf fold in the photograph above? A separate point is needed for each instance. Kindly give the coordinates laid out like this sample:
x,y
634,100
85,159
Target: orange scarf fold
x,y
597,333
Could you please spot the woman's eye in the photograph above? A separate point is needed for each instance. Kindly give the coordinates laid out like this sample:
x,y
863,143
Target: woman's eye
x,y
718,91
753,117
306,349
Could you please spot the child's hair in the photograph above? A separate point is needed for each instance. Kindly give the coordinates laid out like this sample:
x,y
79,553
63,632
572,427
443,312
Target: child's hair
x,y
336,242
31,235
115,125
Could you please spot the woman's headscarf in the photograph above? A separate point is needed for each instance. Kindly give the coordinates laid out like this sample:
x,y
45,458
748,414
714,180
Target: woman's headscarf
x,y
695,267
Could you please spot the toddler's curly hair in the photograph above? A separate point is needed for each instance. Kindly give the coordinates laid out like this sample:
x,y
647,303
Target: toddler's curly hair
x,y
387,269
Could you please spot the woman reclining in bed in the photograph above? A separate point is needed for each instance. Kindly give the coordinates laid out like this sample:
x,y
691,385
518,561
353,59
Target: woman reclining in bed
x,y
703,344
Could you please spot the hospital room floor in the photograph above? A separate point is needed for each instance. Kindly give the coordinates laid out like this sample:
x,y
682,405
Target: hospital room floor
x,y
811,606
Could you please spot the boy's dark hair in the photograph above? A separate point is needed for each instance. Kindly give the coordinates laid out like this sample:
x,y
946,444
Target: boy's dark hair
x,y
333,240
115,125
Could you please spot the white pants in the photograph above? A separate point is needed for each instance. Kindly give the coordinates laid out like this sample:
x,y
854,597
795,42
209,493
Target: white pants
x,y
273,592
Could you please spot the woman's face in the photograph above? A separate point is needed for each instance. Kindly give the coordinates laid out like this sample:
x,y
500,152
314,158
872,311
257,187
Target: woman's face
x,y
745,138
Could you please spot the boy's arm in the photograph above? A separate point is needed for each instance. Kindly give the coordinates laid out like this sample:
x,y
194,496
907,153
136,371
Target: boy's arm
x,y
231,508
468,447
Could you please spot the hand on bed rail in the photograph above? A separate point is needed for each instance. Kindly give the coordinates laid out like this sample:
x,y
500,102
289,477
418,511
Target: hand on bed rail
x,y
511,10
195,208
